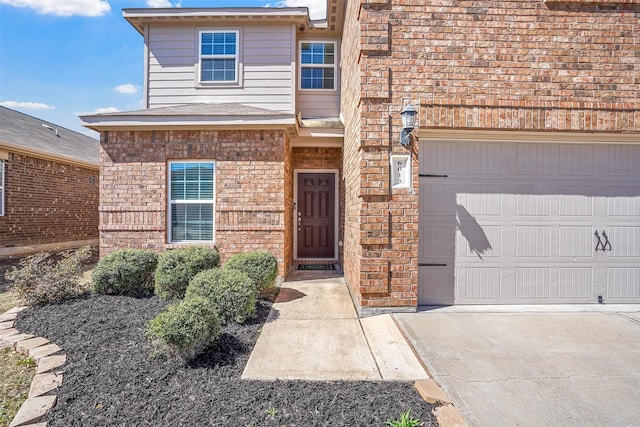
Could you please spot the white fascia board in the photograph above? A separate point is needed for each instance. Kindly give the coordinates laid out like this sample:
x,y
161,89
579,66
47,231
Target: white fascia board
x,y
112,122
214,12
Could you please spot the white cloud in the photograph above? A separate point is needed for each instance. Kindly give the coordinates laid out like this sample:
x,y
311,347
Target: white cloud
x,y
101,110
29,105
162,3
317,8
127,88
63,8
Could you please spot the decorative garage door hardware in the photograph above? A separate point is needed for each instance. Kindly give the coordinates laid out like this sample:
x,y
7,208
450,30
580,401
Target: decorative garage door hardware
x,y
602,246
428,175
422,264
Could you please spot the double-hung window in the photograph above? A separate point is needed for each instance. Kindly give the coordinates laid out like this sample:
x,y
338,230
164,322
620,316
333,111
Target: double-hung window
x,y
219,56
318,65
1,188
191,201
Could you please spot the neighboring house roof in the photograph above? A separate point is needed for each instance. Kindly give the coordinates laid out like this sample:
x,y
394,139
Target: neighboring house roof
x,y
24,133
228,114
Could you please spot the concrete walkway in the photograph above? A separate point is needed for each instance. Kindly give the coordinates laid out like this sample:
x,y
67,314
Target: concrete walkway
x,y
533,368
314,333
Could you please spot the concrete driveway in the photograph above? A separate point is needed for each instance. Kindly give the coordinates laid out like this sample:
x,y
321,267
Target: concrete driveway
x,y
533,368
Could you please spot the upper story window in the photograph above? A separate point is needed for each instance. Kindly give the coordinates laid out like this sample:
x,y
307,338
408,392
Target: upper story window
x,y
191,201
219,56
1,188
318,65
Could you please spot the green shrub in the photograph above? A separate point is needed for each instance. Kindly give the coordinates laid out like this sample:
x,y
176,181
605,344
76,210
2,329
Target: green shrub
x,y
184,329
177,267
40,279
260,266
125,272
230,292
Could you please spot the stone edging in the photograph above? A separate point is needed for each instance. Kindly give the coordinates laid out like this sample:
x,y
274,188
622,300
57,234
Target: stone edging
x,y
446,414
48,357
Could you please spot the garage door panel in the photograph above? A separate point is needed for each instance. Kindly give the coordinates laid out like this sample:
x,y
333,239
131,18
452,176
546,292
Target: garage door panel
x,y
575,241
522,227
440,158
482,283
436,285
623,160
625,242
533,201
575,160
438,200
533,283
438,242
483,158
533,241
623,283
476,242
623,201
537,159
575,283
481,199
575,200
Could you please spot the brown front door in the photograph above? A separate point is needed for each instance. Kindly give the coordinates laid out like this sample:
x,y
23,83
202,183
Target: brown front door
x,y
316,215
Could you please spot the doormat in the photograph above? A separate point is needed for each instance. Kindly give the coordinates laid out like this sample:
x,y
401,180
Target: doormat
x,y
316,267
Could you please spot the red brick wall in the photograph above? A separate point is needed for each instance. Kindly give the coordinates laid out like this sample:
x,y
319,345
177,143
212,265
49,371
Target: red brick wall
x,y
504,65
352,155
250,182
48,202
324,158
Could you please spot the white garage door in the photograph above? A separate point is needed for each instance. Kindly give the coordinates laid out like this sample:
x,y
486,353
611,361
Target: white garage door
x,y
529,223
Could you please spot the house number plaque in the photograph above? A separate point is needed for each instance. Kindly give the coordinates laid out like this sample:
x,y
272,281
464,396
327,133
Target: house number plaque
x,y
401,171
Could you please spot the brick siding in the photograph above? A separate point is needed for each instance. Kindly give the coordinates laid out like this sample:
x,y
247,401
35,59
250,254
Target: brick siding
x,y
500,65
250,188
48,202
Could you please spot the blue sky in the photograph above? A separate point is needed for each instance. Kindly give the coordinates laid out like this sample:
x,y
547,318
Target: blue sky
x,y
61,58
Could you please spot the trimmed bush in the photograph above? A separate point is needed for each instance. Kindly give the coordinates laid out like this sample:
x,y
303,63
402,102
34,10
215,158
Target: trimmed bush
x,y
177,267
184,329
230,292
39,279
260,266
125,272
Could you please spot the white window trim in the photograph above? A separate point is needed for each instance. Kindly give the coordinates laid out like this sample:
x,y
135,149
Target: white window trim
x,y
170,203
238,57
3,172
335,66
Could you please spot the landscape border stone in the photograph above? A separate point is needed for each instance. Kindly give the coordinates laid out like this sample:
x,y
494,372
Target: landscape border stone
x,y
40,399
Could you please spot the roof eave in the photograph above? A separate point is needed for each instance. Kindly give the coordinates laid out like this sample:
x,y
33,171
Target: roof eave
x,y
106,123
138,18
19,149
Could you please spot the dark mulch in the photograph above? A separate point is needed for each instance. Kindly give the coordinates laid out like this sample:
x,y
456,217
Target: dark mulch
x,y
110,378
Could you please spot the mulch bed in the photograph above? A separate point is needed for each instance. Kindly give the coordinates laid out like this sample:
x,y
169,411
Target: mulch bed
x,y
111,379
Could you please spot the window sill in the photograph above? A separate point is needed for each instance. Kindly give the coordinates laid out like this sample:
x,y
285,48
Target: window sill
x,y
183,245
218,85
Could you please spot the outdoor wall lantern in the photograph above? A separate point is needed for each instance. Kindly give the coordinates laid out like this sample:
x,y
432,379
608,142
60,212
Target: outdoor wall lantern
x,y
408,115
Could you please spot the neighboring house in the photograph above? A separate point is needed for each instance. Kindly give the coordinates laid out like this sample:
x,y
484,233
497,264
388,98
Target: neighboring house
x,y
48,186
263,129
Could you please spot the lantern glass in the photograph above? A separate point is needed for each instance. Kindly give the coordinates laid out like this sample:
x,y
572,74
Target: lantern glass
x,y
408,115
